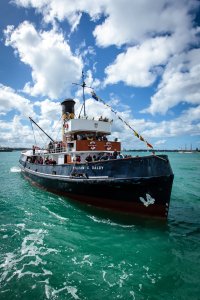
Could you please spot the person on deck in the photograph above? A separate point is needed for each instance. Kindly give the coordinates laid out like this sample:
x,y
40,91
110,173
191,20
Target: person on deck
x,y
119,155
50,146
115,154
105,138
78,159
88,158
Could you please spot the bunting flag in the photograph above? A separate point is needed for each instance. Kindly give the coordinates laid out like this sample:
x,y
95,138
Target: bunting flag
x,y
141,139
149,145
135,132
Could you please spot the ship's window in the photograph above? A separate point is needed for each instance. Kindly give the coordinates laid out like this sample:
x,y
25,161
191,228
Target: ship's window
x,y
70,145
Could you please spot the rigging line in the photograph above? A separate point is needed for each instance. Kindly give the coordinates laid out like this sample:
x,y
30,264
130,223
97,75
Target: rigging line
x,y
57,124
41,129
33,132
80,111
58,131
40,136
160,158
55,129
135,132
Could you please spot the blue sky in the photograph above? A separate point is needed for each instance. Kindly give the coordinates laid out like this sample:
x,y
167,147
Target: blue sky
x,y
141,57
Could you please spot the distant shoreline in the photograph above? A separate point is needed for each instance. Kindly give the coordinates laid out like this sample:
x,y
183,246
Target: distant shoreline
x,y
162,150
8,149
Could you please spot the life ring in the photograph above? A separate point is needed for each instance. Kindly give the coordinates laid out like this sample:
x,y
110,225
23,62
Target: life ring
x,y
66,126
108,146
92,145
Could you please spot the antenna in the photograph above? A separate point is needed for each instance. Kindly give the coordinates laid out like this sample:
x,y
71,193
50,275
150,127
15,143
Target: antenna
x,y
83,85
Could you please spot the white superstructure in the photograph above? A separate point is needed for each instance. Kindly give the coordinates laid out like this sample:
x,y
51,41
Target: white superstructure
x,y
80,125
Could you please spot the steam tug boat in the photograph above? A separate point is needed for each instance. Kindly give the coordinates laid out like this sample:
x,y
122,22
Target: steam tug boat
x,y
85,167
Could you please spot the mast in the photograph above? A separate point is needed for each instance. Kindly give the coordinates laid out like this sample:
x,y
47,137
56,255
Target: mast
x,y
83,85
41,129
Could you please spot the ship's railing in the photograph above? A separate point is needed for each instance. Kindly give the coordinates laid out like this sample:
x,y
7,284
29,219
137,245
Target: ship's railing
x,y
57,149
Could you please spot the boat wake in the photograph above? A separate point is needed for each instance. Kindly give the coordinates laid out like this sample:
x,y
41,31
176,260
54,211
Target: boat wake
x,y
55,215
15,170
109,222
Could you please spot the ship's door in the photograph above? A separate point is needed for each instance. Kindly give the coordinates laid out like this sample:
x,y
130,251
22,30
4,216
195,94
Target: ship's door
x,y
67,159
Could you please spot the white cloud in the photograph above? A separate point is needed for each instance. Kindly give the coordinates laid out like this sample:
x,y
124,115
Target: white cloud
x,y
9,101
54,67
159,32
137,66
188,123
61,10
154,33
15,134
160,142
180,83
130,21
49,109
49,119
126,21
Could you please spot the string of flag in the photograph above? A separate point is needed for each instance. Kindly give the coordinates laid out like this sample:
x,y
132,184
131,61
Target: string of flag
x,y
94,96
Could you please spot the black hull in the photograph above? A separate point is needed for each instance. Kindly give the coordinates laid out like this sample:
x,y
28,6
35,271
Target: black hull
x,y
140,195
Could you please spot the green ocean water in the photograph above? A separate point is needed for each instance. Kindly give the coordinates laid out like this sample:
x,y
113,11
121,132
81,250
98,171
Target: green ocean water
x,y
52,248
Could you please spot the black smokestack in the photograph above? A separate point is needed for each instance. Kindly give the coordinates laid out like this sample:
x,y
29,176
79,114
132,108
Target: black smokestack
x,y
68,108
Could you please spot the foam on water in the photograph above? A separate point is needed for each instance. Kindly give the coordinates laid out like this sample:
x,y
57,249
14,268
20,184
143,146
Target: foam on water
x,y
15,169
28,260
55,215
52,293
109,222
85,260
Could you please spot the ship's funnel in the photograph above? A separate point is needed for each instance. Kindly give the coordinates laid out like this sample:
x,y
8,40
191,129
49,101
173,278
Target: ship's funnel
x,y
68,109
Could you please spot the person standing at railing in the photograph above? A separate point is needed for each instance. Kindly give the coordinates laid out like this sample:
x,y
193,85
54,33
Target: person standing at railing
x,y
50,146
58,147
33,150
115,154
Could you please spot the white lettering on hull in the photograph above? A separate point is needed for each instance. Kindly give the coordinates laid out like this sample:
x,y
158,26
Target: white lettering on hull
x,y
149,200
87,167
97,167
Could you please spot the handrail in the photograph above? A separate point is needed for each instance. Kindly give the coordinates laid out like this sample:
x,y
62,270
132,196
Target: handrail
x,y
57,150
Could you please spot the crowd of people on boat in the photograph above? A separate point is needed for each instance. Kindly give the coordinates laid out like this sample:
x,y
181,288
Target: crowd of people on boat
x,y
89,137
39,160
101,156
55,147
105,156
